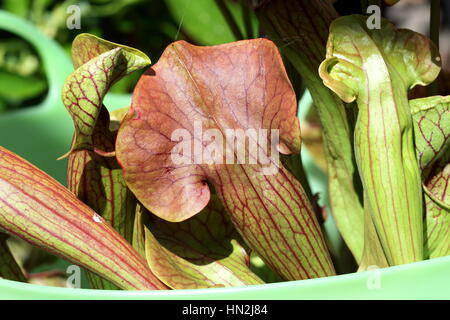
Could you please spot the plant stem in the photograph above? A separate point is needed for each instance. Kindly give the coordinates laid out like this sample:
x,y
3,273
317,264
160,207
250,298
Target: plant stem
x,y
435,23
247,19
230,20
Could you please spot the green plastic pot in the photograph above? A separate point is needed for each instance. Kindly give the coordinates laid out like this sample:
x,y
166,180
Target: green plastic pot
x,y
42,133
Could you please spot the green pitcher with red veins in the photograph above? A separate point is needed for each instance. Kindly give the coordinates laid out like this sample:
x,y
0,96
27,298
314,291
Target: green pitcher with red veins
x,y
376,68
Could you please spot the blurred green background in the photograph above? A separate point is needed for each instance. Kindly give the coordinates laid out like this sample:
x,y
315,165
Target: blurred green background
x,y
149,25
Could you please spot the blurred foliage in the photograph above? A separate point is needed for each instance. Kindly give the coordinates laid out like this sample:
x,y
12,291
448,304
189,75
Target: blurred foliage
x,y
149,25
21,78
205,24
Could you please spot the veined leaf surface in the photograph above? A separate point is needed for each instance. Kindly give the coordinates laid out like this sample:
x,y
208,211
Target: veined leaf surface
x,y
36,208
432,137
300,29
236,86
201,252
99,64
377,68
95,179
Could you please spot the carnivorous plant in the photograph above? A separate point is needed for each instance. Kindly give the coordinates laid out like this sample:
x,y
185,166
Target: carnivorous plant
x,y
202,172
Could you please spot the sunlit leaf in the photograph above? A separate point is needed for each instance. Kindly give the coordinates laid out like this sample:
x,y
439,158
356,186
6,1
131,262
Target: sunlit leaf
x,y
99,64
138,241
432,130
36,208
94,178
377,67
236,86
437,201
437,232
300,29
432,137
203,251
98,182
373,254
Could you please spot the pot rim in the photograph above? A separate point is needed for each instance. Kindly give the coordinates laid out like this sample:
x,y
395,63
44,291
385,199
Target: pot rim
x,y
427,279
